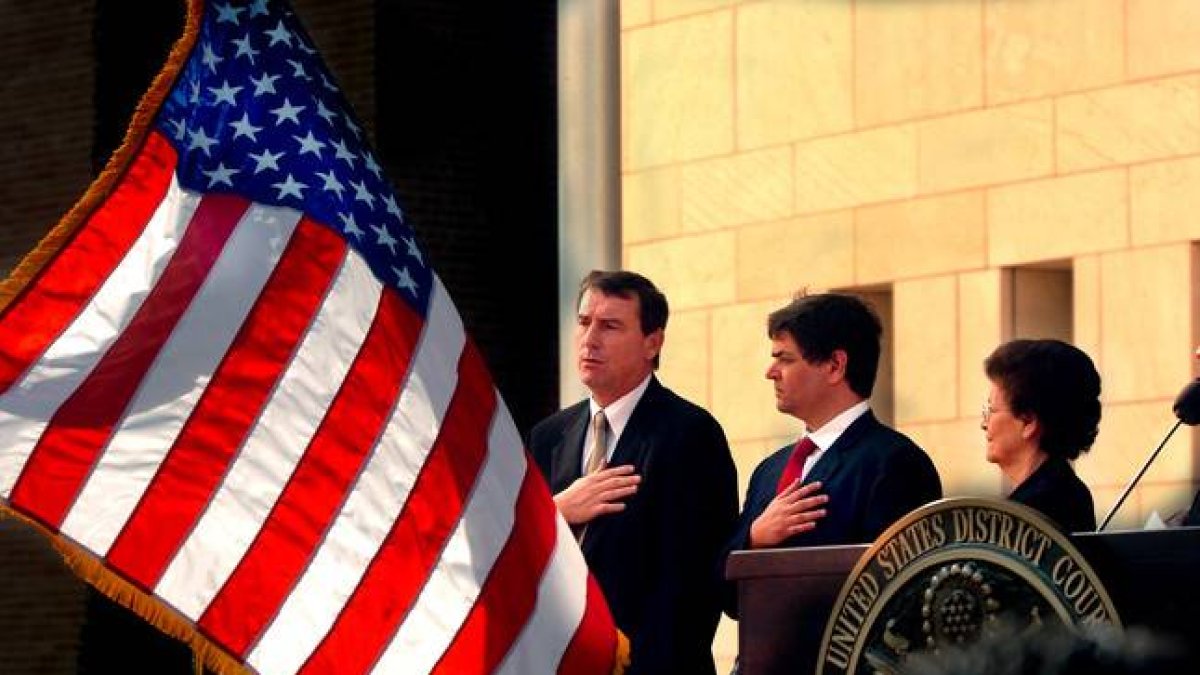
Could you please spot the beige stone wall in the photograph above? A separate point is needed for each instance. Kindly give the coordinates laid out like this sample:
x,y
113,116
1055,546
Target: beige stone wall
x,y
992,169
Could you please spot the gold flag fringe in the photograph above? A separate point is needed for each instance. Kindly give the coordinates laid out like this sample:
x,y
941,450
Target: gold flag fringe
x,y
84,564
622,661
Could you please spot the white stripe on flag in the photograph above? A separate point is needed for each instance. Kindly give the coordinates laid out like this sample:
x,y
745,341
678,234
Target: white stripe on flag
x,y
275,443
454,583
376,499
178,377
561,602
27,407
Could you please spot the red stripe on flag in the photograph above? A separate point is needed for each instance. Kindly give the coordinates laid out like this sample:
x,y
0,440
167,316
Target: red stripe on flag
x,y
47,305
75,437
308,504
395,577
510,593
593,648
257,358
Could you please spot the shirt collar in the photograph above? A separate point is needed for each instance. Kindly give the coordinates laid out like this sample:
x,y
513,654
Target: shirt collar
x,y
828,434
618,412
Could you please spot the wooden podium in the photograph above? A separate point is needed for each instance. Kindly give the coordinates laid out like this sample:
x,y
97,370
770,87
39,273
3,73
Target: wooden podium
x,y
785,596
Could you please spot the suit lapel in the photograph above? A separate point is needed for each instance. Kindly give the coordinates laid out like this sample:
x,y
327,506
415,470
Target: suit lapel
x,y
569,466
836,455
635,434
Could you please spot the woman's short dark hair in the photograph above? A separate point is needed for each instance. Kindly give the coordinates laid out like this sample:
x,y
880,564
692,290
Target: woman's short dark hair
x,y
823,322
1055,382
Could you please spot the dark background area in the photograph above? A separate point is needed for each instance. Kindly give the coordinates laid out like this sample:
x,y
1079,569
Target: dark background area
x,y
459,99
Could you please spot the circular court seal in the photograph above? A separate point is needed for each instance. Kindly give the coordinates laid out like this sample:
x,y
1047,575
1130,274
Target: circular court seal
x,y
948,573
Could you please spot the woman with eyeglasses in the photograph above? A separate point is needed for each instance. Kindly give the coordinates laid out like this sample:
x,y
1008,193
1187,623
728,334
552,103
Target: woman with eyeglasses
x,y
1043,410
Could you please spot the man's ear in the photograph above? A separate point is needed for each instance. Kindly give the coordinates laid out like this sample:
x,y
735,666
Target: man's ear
x,y
653,343
837,363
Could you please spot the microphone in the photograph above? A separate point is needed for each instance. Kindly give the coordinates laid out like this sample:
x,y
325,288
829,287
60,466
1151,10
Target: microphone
x,y
1187,410
1187,404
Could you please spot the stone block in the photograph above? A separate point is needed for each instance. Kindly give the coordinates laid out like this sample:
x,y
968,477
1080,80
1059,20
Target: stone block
x,y
677,84
786,89
778,259
686,356
1161,196
650,205
1147,325
855,169
692,271
1057,218
957,449
1163,36
1133,123
985,147
744,188
984,322
926,348
1043,47
915,59
919,237
742,398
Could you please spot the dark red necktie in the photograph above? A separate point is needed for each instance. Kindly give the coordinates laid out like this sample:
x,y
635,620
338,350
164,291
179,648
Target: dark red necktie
x,y
795,463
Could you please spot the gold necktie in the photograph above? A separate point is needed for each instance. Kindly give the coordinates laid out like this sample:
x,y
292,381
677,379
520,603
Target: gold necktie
x,y
598,454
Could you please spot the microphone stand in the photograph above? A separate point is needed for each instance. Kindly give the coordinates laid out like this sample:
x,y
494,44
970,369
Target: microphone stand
x,y
1132,483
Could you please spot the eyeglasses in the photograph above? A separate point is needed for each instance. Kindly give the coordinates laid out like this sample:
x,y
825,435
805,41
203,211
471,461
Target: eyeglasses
x,y
986,411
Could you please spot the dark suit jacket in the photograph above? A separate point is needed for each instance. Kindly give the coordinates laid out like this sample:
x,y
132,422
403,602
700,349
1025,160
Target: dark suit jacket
x,y
872,474
656,561
1057,492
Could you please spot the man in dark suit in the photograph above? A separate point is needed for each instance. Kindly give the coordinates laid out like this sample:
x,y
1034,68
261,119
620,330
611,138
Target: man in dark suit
x,y
850,477
653,499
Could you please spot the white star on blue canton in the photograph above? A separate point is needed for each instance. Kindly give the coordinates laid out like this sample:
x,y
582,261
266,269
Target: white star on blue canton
x,y
225,93
350,226
265,84
228,13
371,164
287,111
298,70
258,7
220,175
326,83
332,184
265,160
243,127
325,113
310,144
343,152
280,34
244,49
411,244
195,96
210,58
385,238
180,128
392,207
199,139
290,186
353,127
302,46
362,194
404,280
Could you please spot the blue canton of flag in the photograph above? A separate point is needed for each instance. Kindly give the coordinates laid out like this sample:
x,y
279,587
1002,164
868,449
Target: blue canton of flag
x,y
256,113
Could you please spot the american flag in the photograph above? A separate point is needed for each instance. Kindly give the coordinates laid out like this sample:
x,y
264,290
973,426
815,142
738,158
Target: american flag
x,y
231,384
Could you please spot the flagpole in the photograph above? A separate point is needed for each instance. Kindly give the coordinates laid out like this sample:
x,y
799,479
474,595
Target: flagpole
x,y
589,159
